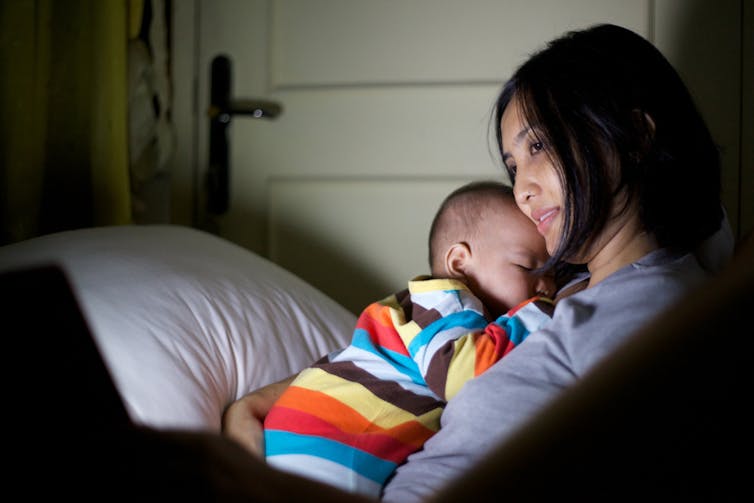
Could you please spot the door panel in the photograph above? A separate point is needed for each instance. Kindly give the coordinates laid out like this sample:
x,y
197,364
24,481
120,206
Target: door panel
x,y
363,42
385,110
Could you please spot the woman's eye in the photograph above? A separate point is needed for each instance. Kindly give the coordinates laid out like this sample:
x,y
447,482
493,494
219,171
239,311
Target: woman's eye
x,y
536,147
511,169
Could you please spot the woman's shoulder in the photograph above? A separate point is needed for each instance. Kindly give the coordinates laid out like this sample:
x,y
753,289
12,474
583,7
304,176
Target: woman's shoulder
x,y
657,272
593,321
660,271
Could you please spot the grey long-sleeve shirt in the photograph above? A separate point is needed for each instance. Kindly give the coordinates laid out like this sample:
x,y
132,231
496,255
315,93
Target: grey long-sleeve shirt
x,y
586,327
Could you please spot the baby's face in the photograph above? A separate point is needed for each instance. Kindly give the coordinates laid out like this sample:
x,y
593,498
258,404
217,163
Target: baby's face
x,y
504,255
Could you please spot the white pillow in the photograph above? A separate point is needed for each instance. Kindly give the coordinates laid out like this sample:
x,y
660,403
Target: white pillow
x,y
188,322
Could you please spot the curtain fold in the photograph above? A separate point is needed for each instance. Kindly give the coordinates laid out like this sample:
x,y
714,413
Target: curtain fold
x,y
63,116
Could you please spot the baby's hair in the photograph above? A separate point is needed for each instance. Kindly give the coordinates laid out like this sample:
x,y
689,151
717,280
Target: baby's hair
x,y
460,211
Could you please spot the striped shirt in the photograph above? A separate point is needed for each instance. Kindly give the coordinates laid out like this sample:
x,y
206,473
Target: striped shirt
x,y
353,417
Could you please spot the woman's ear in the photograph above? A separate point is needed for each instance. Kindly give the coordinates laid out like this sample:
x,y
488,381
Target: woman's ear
x,y
645,126
457,260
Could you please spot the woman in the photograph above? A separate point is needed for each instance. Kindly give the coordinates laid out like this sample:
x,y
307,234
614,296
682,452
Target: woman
x,y
611,159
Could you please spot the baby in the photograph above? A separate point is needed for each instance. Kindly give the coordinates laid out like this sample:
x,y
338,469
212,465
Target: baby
x,y
354,416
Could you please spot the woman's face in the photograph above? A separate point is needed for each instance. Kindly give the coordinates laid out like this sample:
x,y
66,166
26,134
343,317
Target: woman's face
x,y
537,185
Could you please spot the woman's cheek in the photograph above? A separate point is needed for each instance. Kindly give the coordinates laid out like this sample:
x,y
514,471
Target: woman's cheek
x,y
552,236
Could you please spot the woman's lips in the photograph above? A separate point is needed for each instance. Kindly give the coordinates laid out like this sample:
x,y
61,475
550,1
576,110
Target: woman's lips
x,y
544,218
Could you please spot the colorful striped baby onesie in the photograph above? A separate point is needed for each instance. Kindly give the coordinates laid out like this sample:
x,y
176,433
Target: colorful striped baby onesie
x,y
354,416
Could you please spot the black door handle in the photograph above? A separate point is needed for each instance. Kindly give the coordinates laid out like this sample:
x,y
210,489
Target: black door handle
x,y
221,109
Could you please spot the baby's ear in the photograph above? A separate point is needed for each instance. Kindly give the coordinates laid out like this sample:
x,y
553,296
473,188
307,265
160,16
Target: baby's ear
x,y
457,260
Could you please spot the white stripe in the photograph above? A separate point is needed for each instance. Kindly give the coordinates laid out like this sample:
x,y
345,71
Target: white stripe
x,y
427,352
326,471
532,317
448,302
378,367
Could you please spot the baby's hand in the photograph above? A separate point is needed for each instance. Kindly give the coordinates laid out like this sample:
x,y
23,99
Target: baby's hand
x,y
243,420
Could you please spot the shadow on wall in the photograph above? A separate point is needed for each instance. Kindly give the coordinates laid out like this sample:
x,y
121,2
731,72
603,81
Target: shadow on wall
x,y
337,275
710,64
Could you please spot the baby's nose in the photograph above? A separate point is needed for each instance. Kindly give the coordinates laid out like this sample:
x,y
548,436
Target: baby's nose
x,y
545,286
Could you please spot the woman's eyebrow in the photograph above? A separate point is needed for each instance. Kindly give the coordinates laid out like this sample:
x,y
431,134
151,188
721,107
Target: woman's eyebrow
x,y
516,140
521,135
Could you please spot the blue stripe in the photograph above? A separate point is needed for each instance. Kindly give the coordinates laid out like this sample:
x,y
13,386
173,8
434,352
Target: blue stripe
x,y
365,464
514,327
402,363
470,320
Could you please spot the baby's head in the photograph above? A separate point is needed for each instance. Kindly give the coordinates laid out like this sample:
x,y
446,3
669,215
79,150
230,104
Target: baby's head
x,y
480,237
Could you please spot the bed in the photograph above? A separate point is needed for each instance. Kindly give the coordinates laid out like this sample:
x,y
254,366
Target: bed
x,y
187,322
183,317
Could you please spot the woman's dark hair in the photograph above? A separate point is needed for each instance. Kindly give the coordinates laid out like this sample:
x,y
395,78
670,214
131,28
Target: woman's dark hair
x,y
610,109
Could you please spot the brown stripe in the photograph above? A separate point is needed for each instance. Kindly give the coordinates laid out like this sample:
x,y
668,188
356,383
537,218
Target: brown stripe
x,y
386,390
546,307
425,317
414,312
437,373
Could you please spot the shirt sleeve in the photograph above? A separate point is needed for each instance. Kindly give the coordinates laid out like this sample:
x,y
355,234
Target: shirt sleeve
x,y
470,354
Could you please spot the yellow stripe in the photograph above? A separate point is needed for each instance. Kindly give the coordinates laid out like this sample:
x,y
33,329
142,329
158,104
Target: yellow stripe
x,y
433,285
461,365
406,331
360,398
391,302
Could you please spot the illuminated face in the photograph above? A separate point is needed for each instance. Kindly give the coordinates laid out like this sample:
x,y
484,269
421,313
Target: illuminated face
x,y
537,186
539,194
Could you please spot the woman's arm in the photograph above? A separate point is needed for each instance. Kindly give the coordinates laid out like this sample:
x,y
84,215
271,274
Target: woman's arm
x,y
586,327
243,419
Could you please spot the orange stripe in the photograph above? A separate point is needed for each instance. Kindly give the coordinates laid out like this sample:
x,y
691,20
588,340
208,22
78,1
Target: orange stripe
x,y
377,321
349,420
491,345
377,312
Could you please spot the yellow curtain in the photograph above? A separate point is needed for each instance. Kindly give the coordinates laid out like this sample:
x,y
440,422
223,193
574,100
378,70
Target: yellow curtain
x,y
63,116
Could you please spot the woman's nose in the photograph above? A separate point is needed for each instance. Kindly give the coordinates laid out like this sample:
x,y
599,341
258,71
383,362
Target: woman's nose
x,y
523,191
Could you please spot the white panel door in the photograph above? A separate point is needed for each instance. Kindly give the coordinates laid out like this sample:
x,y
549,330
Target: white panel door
x,y
386,108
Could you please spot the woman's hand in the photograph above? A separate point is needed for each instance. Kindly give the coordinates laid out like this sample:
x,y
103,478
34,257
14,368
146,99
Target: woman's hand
x,y
243,419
